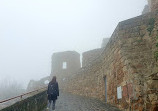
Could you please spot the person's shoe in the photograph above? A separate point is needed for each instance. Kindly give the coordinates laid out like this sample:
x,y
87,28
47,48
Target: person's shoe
x,y
47,109
53,107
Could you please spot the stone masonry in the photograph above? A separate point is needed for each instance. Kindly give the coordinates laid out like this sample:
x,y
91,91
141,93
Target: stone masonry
x,y
64,64
33,103
128,65
70,59
90,56
153,4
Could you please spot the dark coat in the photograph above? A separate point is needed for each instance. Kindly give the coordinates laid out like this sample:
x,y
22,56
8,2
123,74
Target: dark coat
x,y
55,91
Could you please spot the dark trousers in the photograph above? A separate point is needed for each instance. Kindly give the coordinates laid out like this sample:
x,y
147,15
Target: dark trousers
x,y
51,101
51,104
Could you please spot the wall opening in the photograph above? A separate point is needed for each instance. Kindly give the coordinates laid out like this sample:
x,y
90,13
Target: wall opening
x,y
64,65
105,80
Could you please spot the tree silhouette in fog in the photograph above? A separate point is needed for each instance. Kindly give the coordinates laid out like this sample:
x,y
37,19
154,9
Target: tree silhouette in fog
x,y
10,88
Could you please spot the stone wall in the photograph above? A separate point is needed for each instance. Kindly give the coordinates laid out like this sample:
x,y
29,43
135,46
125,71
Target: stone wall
x,y
72,60
128,62
89,56
153,4
35,103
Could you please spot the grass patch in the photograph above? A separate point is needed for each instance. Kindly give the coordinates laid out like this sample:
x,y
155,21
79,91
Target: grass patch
x,y
151,25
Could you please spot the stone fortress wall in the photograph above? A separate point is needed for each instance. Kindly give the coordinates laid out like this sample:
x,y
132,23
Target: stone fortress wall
x,y
151,6
125,72
90,56
64,64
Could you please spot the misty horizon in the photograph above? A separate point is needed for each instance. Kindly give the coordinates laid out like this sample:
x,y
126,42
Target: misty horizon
x,y
31,31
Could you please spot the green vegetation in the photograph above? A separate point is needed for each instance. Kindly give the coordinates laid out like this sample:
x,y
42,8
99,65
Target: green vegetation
x,y
156,52
151,25
157,45
150,29
156,55
141,40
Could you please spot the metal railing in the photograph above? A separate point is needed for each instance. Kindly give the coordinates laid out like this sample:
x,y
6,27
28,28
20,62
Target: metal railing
x,y
22,95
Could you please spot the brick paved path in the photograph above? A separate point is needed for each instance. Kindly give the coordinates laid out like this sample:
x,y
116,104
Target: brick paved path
x,y
69,102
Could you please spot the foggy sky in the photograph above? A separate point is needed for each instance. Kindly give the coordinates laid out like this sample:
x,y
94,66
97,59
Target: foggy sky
x,y
32,30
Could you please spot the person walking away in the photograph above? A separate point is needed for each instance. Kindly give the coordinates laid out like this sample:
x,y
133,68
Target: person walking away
x,y
53,93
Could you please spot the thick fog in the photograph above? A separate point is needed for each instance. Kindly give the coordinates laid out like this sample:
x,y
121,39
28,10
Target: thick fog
x,y
32,30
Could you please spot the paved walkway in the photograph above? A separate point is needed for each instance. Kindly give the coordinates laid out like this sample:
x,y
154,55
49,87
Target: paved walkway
x,y
69,102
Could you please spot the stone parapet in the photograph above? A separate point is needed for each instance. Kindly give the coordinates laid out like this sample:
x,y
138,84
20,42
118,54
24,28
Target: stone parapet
x,y
34,103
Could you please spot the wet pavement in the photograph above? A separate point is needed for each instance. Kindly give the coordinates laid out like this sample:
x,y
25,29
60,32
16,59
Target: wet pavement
x,y
69,102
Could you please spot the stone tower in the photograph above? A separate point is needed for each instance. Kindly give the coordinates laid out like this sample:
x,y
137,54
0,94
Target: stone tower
x,y
64,64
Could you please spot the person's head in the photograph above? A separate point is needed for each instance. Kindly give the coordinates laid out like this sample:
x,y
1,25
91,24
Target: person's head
x,y
53,79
